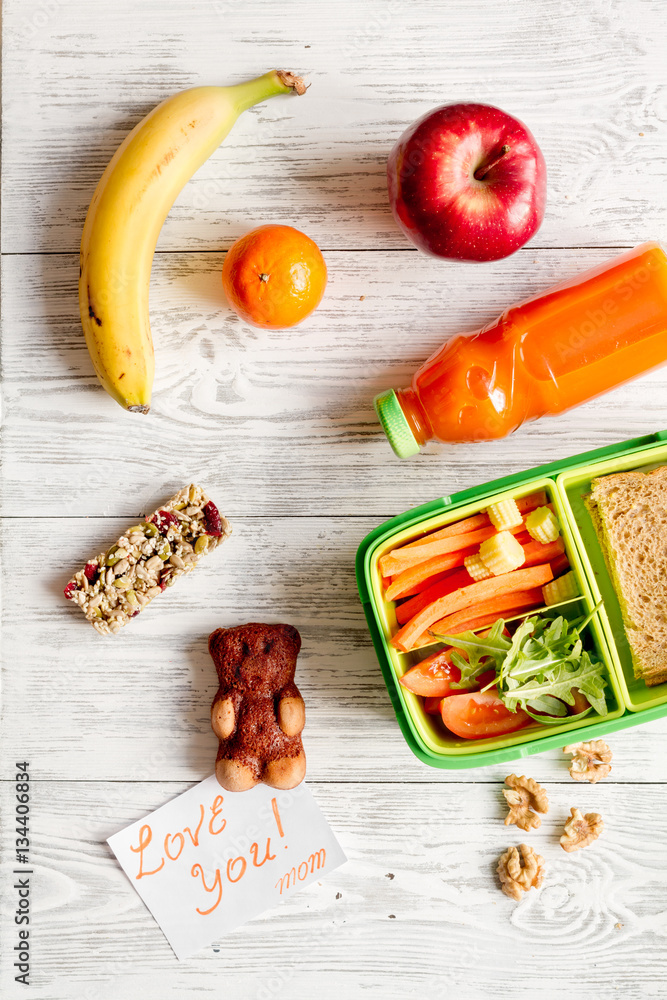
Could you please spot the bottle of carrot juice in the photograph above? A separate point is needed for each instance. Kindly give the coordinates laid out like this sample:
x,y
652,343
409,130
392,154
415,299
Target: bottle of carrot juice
x,y
573,342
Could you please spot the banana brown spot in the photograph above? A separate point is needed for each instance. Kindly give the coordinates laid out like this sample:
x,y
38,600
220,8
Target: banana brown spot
x,y
91,313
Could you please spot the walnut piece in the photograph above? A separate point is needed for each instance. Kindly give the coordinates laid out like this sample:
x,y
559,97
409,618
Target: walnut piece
x,y
581,830
519,874
591,761
523,795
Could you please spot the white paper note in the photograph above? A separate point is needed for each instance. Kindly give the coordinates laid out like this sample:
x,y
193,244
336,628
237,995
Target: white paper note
x,y
210,860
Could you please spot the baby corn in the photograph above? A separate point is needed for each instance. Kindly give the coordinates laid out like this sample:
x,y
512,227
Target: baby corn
x,y
504,514
562,589
542,525
477,569
501,553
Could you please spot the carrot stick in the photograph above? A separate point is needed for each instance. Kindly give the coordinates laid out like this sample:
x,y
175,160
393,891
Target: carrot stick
x,y
470,625
428,582
465,597
525,505
452,625
466,624
452,582
423,576
559,565
398,560
465,533
421,595
531,502
404,582
538,552
457,528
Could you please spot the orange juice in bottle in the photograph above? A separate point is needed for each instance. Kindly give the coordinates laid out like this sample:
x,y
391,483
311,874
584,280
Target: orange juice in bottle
x,y
573,342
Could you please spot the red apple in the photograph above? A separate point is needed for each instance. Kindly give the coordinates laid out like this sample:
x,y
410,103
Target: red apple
x,y
467,181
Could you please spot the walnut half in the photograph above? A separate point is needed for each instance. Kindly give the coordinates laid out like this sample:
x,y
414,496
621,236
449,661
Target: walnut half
x,y
523,795
581,830
590,761
517,873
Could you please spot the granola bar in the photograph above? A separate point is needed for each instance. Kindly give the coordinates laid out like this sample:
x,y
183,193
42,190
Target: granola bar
x,y
119,583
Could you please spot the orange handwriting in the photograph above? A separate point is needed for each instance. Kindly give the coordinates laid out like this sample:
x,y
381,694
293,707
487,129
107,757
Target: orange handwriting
x,y
238,866
216,809
230,868
186,829
217,884
254,849
174,836
274,806
145,837
315,861
171,839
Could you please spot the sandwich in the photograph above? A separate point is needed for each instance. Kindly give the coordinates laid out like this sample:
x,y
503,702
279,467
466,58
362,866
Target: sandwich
x,y
629,512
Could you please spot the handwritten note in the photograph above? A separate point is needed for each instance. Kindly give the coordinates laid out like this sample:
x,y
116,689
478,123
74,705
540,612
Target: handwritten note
x,y
210,860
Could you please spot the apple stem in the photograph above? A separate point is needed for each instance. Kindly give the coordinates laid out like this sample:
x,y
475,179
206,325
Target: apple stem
x,y
482,171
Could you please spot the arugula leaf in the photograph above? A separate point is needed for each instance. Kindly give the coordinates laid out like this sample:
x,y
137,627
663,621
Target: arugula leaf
x,y
537,668
482,652
587,677
546,709
515,654
591,683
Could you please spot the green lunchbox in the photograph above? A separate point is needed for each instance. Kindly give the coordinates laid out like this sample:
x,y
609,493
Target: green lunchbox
x,y
566,483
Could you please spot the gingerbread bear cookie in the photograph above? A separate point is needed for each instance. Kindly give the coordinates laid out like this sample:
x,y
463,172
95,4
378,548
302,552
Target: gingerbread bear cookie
x,y
258,713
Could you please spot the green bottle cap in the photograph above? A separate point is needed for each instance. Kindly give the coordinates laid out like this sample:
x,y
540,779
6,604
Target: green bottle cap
x,y
395,424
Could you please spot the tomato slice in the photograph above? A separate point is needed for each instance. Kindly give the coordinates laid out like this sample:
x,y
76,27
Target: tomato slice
x,y
432,705
433,676
474,715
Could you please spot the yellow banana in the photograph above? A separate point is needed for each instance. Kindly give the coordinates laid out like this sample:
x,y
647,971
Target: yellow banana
x,y
125,217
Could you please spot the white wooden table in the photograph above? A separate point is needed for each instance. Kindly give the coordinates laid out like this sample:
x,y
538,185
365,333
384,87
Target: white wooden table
x,y
279,427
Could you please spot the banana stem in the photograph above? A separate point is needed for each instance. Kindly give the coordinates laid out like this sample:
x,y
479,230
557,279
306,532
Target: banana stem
x,y
278,81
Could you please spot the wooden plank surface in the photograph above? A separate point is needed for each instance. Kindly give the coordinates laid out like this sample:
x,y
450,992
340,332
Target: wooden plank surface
x,y
279,427
111,702
586,77
415,911
272,422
